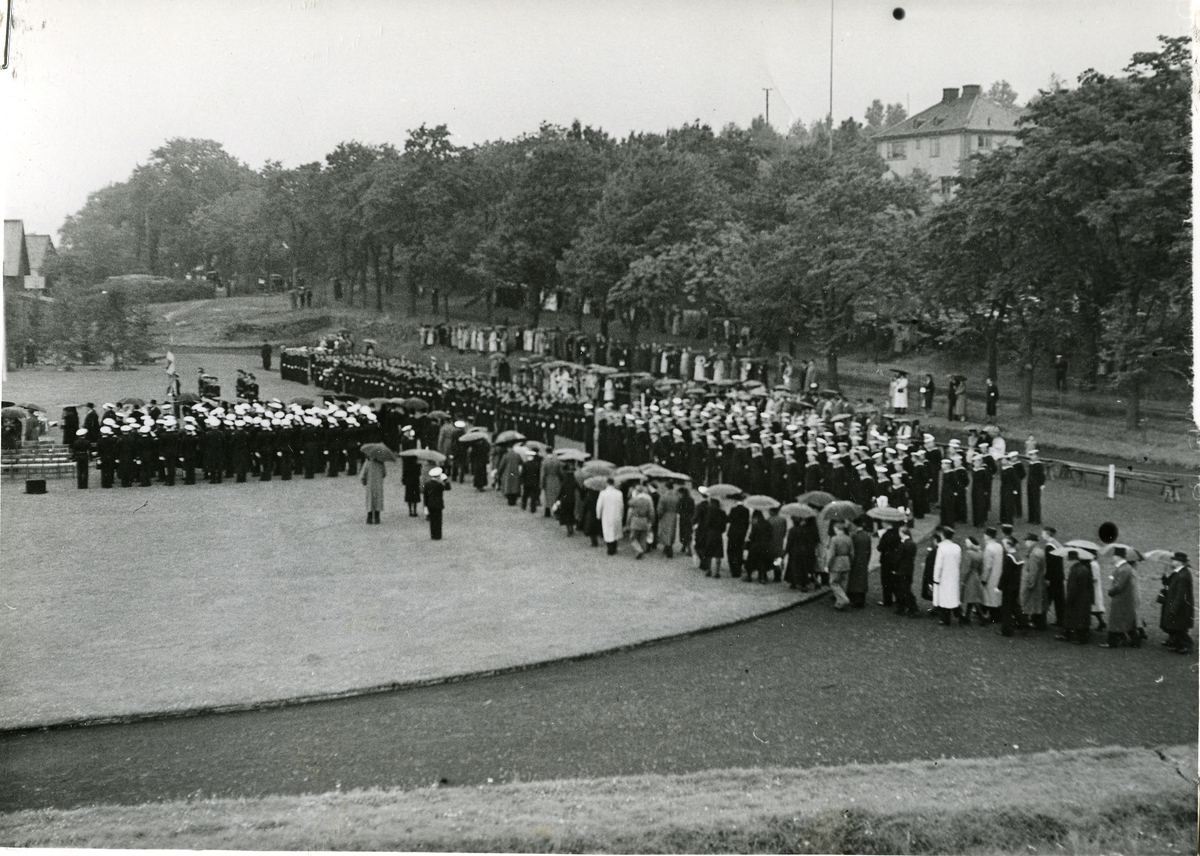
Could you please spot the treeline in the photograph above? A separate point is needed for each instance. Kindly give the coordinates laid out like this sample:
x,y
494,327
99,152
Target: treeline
x,y
1077,241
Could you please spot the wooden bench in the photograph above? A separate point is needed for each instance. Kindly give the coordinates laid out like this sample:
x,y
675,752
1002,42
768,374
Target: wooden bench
x,y
25,465
1171,489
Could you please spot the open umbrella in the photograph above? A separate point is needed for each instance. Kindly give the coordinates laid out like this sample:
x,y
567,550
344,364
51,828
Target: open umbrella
x,y
1083,544
133,400
415,404
438,414
839,509
816,498
570,455
596,483
474,436
626,478
798,510
303,401
760,502
655,471
541,447
14,412
506,437
887,514
187,398
1133,554
34,407
1160,555
8,404
377,452
620,471
343,396
724,491
596,468
424,455
1065,552
841,417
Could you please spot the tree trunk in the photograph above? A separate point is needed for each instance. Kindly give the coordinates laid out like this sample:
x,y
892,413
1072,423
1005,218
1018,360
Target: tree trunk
x,y
1027,388
602,306
993,350
1133,403
831,367
374,254
534,303
446,305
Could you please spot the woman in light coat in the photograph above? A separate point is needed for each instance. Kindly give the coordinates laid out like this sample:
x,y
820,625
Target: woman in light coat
x,y
668,519
373,474
972,595
610,510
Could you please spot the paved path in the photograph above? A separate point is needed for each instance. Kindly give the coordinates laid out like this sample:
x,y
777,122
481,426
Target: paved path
x,y
805,687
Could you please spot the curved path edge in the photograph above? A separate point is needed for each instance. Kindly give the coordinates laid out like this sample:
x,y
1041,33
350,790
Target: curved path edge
x,y
395,686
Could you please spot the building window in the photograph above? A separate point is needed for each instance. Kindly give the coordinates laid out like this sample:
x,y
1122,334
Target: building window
x,y
935,147
985,142
917,144
895,150
947,185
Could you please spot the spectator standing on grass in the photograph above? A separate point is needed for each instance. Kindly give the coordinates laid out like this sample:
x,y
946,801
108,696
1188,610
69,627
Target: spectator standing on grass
x,y
373,473
567,490
758,547
508,473
1098,595
640,520
889,545
993,567
1010,588
551,479
531,482
802,541
1060,373
946,566
1035,481
1033,582
266,356
1077,622
435,501
841,557
906,560
735,537
856,585
972,594
610,511
779,530
1123,603
993,397
928,389
667,512
91,422
687,514
70,424
1178,606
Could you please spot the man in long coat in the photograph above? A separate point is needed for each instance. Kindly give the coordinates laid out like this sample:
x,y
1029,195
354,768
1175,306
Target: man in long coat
x,y
610,510
373,473
946,566
1080,590
668,520
551,479
993,567
1033,583
1035,480
508,472
1178,606
1122,604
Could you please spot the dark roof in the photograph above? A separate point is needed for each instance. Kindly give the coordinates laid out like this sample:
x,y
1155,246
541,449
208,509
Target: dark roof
x,y
971,112
40,247
16,255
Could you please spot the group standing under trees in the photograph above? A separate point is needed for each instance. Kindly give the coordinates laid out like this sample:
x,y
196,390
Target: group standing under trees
x,y
1078,240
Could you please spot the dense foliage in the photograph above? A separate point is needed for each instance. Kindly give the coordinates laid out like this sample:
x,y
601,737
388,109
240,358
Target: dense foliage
x,y
1078,240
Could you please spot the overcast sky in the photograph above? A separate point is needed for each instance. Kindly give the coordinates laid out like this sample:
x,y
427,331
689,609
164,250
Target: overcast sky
x,y
94,85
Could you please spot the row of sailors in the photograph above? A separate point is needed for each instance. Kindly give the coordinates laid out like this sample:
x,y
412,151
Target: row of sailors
x,y
263,440
782,456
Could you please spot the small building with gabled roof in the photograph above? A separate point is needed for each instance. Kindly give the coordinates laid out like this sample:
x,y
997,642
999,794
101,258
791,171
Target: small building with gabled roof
x,y
938,141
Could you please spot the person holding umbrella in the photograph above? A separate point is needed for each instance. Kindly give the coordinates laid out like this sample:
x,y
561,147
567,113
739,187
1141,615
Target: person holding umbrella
x,y
801,548
435,502
837,565
374,471
1080,590
565,504
508,472
758,547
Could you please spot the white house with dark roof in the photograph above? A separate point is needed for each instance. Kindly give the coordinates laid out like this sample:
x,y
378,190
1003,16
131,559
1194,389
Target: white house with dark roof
x,y
938,140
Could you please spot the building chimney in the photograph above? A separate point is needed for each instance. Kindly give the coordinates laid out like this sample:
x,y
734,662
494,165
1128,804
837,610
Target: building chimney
x,y
971,91
949,95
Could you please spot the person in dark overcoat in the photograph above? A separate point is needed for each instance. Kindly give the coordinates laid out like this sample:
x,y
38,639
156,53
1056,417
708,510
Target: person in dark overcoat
x,y
81,453
435,502
1034,483
1122,604
801,548
1010,589
106,450
735,537
906,559
1080,587
889,557
70,425
410,477
91,423
857,583
687,514
214,453
711,521
1178,606
758,547
568,490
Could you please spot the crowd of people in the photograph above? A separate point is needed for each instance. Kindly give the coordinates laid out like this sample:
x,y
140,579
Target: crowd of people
x,y
763,448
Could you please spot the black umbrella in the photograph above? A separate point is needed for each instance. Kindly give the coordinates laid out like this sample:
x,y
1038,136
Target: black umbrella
x,y
509,437
424,455
415,404
187,398
816,498
134,400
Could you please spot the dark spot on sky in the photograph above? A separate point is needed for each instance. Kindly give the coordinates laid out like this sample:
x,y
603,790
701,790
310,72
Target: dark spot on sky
x,y
898,13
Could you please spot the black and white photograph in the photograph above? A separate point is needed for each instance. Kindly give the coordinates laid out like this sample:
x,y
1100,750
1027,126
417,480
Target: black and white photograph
x,y
609,426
